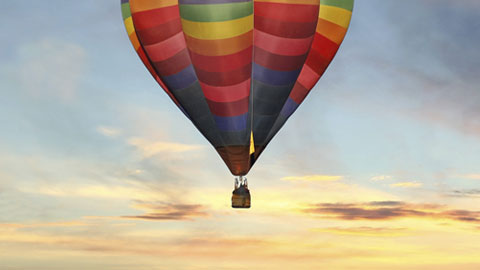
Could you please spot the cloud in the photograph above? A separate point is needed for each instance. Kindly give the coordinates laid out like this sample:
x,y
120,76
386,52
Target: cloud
x,y
43,225
381,178
407,185
315,177
390,210
161,211
469,193
151,148
472,176
108,131
364,231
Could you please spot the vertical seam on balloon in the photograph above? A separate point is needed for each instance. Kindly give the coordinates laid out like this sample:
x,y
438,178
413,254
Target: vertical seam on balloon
x,y
251,157
268,138
220,135
189,117
272,133
168,91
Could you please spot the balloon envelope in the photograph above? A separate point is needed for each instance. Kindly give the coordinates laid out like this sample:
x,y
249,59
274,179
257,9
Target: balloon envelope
x,y
238,69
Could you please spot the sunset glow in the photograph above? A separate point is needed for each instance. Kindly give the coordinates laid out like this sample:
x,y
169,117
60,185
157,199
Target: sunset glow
x,y
378,169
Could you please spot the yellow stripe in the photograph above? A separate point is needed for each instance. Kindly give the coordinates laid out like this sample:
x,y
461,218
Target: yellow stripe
x,y
335,15
219,47
129,25
252,144
305,2
131,32
218,30
143,5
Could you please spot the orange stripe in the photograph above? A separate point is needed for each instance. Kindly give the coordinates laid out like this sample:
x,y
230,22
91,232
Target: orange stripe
x,y
332,31
142,5
220,46
134,39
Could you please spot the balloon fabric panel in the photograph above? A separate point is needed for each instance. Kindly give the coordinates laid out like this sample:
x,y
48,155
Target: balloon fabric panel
x,y
333,20
285,33
237,68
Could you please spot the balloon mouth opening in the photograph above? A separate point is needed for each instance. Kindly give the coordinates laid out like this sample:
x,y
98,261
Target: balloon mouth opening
x,y
241,194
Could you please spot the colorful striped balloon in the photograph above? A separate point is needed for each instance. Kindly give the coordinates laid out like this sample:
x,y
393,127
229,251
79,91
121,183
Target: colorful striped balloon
x,y
238,69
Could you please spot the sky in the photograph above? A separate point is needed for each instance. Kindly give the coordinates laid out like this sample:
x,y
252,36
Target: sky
x,y
377,169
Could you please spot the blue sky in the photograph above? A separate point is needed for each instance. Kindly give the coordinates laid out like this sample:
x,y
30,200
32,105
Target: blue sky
x,y
89,144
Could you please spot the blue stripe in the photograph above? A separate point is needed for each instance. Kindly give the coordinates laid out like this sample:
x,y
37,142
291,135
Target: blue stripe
x,y
181,79
233,123
289,108
274,77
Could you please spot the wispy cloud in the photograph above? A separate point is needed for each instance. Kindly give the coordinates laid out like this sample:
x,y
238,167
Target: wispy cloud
x,y
381,178
473,176
41,225
389,210
364,231
314,177
108,131
467,193
407,185
161,211
151,148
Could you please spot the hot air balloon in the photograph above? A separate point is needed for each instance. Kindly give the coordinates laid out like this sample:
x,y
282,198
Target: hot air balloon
x,y
238,69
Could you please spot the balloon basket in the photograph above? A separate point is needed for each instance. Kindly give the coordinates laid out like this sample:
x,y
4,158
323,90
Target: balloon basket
x,y
241,194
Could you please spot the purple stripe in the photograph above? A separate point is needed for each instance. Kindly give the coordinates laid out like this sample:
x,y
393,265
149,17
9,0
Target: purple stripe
x,y
125,1
233,123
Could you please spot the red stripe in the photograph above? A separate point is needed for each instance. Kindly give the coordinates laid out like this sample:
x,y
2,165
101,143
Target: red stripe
x,y
226,93
159,33
222,63
154,17
287,12
166,49
226,109
174,64
232,77
325,46
277,61
285,29
299,93
144,58
308,78
317,62
280,45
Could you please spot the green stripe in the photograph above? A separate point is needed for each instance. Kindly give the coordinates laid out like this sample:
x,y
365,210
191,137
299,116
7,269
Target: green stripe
x,y
216,12
126,10
345,4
